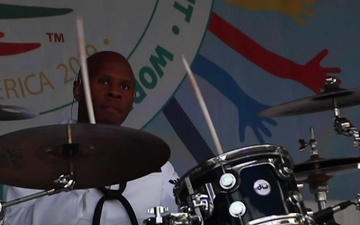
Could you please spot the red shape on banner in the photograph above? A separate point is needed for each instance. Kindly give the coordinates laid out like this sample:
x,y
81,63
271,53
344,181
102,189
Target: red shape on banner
x,y
312,74
9,48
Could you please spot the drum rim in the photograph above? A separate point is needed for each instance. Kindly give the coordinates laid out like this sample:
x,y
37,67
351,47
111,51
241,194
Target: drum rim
x,y
213,163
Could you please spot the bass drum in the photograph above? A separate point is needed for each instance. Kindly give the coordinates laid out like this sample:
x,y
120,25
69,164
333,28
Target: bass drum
x,y
251,185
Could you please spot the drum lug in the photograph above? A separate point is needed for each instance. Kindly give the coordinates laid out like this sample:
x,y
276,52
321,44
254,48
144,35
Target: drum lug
x,y
295,198
286,171
227,181
284,168
237,209
300,186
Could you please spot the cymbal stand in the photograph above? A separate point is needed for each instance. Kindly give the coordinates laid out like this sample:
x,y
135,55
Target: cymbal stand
x,y
319,189
343,126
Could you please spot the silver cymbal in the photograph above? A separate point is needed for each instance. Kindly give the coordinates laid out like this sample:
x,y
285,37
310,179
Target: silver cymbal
x,y
99,155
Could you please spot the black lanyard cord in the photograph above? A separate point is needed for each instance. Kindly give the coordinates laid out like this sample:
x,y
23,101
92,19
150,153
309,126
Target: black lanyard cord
x,y
111,195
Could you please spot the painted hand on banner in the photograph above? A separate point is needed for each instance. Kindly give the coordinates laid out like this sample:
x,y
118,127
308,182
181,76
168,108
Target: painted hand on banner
x,y
248,108
313,74
293,8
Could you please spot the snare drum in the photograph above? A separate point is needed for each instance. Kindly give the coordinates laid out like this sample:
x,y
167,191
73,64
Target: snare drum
x,y
251,185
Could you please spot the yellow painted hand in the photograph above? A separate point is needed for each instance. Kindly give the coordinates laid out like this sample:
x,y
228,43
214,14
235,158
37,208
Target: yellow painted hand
x,y
293,8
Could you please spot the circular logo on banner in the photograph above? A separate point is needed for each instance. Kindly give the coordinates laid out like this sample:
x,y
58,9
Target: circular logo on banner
x,y
262,187
40,59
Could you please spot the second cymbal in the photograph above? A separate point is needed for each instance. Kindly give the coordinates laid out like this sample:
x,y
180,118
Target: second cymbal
x,y
316,103
10,112
321,170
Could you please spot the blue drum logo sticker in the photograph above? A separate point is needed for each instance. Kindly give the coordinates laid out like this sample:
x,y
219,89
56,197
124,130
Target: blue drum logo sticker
x,y
262,187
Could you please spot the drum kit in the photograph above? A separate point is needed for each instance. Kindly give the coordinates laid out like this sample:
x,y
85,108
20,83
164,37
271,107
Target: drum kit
x,y
253,185
260,184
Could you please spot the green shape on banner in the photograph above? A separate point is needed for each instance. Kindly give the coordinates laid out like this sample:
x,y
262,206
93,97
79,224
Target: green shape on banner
x,y
8,11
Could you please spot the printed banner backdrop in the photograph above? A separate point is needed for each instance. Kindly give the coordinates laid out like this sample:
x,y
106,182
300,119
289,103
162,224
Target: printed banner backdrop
x,y
247,56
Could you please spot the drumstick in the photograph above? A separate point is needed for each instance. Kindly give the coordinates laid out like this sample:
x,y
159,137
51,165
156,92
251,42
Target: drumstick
x,y
84,68
202,105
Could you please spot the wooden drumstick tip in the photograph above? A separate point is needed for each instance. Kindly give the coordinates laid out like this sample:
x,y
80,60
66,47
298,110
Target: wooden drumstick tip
x,y
84,68
202,105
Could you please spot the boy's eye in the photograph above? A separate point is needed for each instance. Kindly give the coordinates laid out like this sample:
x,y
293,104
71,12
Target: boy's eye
x,y
124,86
104,81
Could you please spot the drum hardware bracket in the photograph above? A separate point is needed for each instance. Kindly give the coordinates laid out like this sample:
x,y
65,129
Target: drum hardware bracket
x,y
292,218
312,143
192,194
178,218
211,192
158,211
202,202
357,201
65,182
183,218
343,126
332,84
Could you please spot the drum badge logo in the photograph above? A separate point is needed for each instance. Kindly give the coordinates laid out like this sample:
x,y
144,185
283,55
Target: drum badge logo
x,y
262,187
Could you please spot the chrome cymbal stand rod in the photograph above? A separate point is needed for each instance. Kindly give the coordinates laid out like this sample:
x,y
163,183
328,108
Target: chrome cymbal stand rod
x,y
312,143
320,191
28,198
63,183
70,149
4,205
